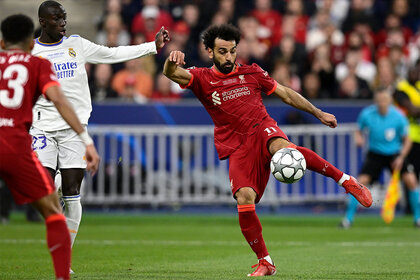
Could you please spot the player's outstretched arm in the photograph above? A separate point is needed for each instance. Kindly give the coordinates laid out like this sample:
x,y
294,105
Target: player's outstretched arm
x,y
296,100
172,68
64,107
161,38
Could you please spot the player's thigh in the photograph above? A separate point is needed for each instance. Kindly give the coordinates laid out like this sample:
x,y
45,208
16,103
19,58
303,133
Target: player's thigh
x,y
374,164
71,150
26,178
45,146
249,166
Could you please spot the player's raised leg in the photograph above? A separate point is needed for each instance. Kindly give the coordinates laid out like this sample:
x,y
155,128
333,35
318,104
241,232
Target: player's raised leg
x,y
316,163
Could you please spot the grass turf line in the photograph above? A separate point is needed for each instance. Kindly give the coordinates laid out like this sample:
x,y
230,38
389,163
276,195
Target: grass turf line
x,y
212,247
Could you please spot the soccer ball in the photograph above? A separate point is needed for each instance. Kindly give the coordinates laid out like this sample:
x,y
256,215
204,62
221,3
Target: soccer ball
x,y
288,165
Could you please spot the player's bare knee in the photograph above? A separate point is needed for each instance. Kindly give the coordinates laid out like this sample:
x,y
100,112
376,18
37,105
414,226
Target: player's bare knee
x,y
48,205
245,196
71,180
410,180
276,144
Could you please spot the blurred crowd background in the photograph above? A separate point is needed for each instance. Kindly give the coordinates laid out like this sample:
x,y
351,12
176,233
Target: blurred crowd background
x,y
324,49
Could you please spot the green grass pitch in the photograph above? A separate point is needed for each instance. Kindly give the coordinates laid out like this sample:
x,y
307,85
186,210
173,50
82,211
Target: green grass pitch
x,y
154,246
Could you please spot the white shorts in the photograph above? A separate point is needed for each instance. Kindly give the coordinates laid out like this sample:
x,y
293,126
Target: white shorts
x,y
59,149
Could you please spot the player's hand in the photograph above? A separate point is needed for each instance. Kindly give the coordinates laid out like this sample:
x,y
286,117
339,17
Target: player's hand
x,y
328,119
161,38
92,159
177,57
397,163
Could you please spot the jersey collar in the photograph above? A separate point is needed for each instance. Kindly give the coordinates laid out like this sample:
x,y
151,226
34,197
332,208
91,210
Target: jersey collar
x,y
225,75
48,44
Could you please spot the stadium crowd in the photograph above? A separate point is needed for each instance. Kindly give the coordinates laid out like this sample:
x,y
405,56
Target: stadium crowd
x,y
336,49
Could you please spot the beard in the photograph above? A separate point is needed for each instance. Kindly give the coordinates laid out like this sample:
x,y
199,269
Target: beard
x,y
224,68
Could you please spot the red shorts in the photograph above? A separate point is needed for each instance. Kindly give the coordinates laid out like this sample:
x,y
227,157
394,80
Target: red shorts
x,y
249,165
24,175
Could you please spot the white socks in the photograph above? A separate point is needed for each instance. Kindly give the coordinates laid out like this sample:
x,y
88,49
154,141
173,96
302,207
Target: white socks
x,y
73,213
268,258
345,177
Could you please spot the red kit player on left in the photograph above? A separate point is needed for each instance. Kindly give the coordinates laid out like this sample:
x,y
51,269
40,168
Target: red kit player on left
x,y
23,78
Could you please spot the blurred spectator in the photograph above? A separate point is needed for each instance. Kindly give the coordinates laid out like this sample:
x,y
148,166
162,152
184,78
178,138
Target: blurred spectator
x,y
282,74
270,20
322,30
336,9
250,48
321,65
295,22
414,48
311,88
385,77
180,34
355,43
166,90
408,12
227,7
291,52
150,20
198,56
392,22
396,49
148,62
360,12
352,87
219,18
191,16
354,64
113,33
100,86
133,83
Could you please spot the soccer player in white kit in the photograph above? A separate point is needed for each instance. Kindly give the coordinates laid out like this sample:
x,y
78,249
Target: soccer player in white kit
x,y
57,145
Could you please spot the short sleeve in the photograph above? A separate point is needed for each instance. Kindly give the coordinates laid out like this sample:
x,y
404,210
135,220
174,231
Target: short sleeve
x,y
194,84
268,84
47,76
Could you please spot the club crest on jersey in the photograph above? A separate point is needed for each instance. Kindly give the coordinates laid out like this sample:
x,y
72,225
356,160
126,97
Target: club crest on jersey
x,y
216,98
72,52
241,79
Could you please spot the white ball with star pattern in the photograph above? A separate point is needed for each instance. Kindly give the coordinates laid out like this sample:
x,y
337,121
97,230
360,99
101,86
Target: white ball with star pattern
x,y
288,165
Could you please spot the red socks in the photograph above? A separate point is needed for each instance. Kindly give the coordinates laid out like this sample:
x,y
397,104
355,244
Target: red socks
x,y
316,163
251,229
58,242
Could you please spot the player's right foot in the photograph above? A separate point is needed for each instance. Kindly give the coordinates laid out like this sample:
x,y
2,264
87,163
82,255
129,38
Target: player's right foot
x,y
360,192
71,271
264,269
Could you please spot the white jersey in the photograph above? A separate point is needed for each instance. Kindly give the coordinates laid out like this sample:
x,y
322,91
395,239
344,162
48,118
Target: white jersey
x,y
68,57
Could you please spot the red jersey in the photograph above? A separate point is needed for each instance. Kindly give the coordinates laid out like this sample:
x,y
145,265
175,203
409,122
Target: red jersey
x,y
233,101
23,78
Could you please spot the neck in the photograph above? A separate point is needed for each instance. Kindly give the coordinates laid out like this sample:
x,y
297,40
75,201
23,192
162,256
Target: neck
x,y
44,38
17,47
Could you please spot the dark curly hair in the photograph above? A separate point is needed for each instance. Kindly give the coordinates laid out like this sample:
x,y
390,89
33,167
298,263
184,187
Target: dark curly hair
x,y
17,28
226,32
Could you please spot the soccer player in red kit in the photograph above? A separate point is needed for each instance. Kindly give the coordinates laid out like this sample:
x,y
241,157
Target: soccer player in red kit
x,y
23,78
245,133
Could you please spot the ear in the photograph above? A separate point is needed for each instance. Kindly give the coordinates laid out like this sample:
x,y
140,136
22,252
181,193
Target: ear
x,y
2,44
42,22
210,53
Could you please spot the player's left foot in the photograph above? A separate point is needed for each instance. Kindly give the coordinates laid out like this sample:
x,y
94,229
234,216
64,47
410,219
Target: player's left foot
x,y
360,192
71,271
264,268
